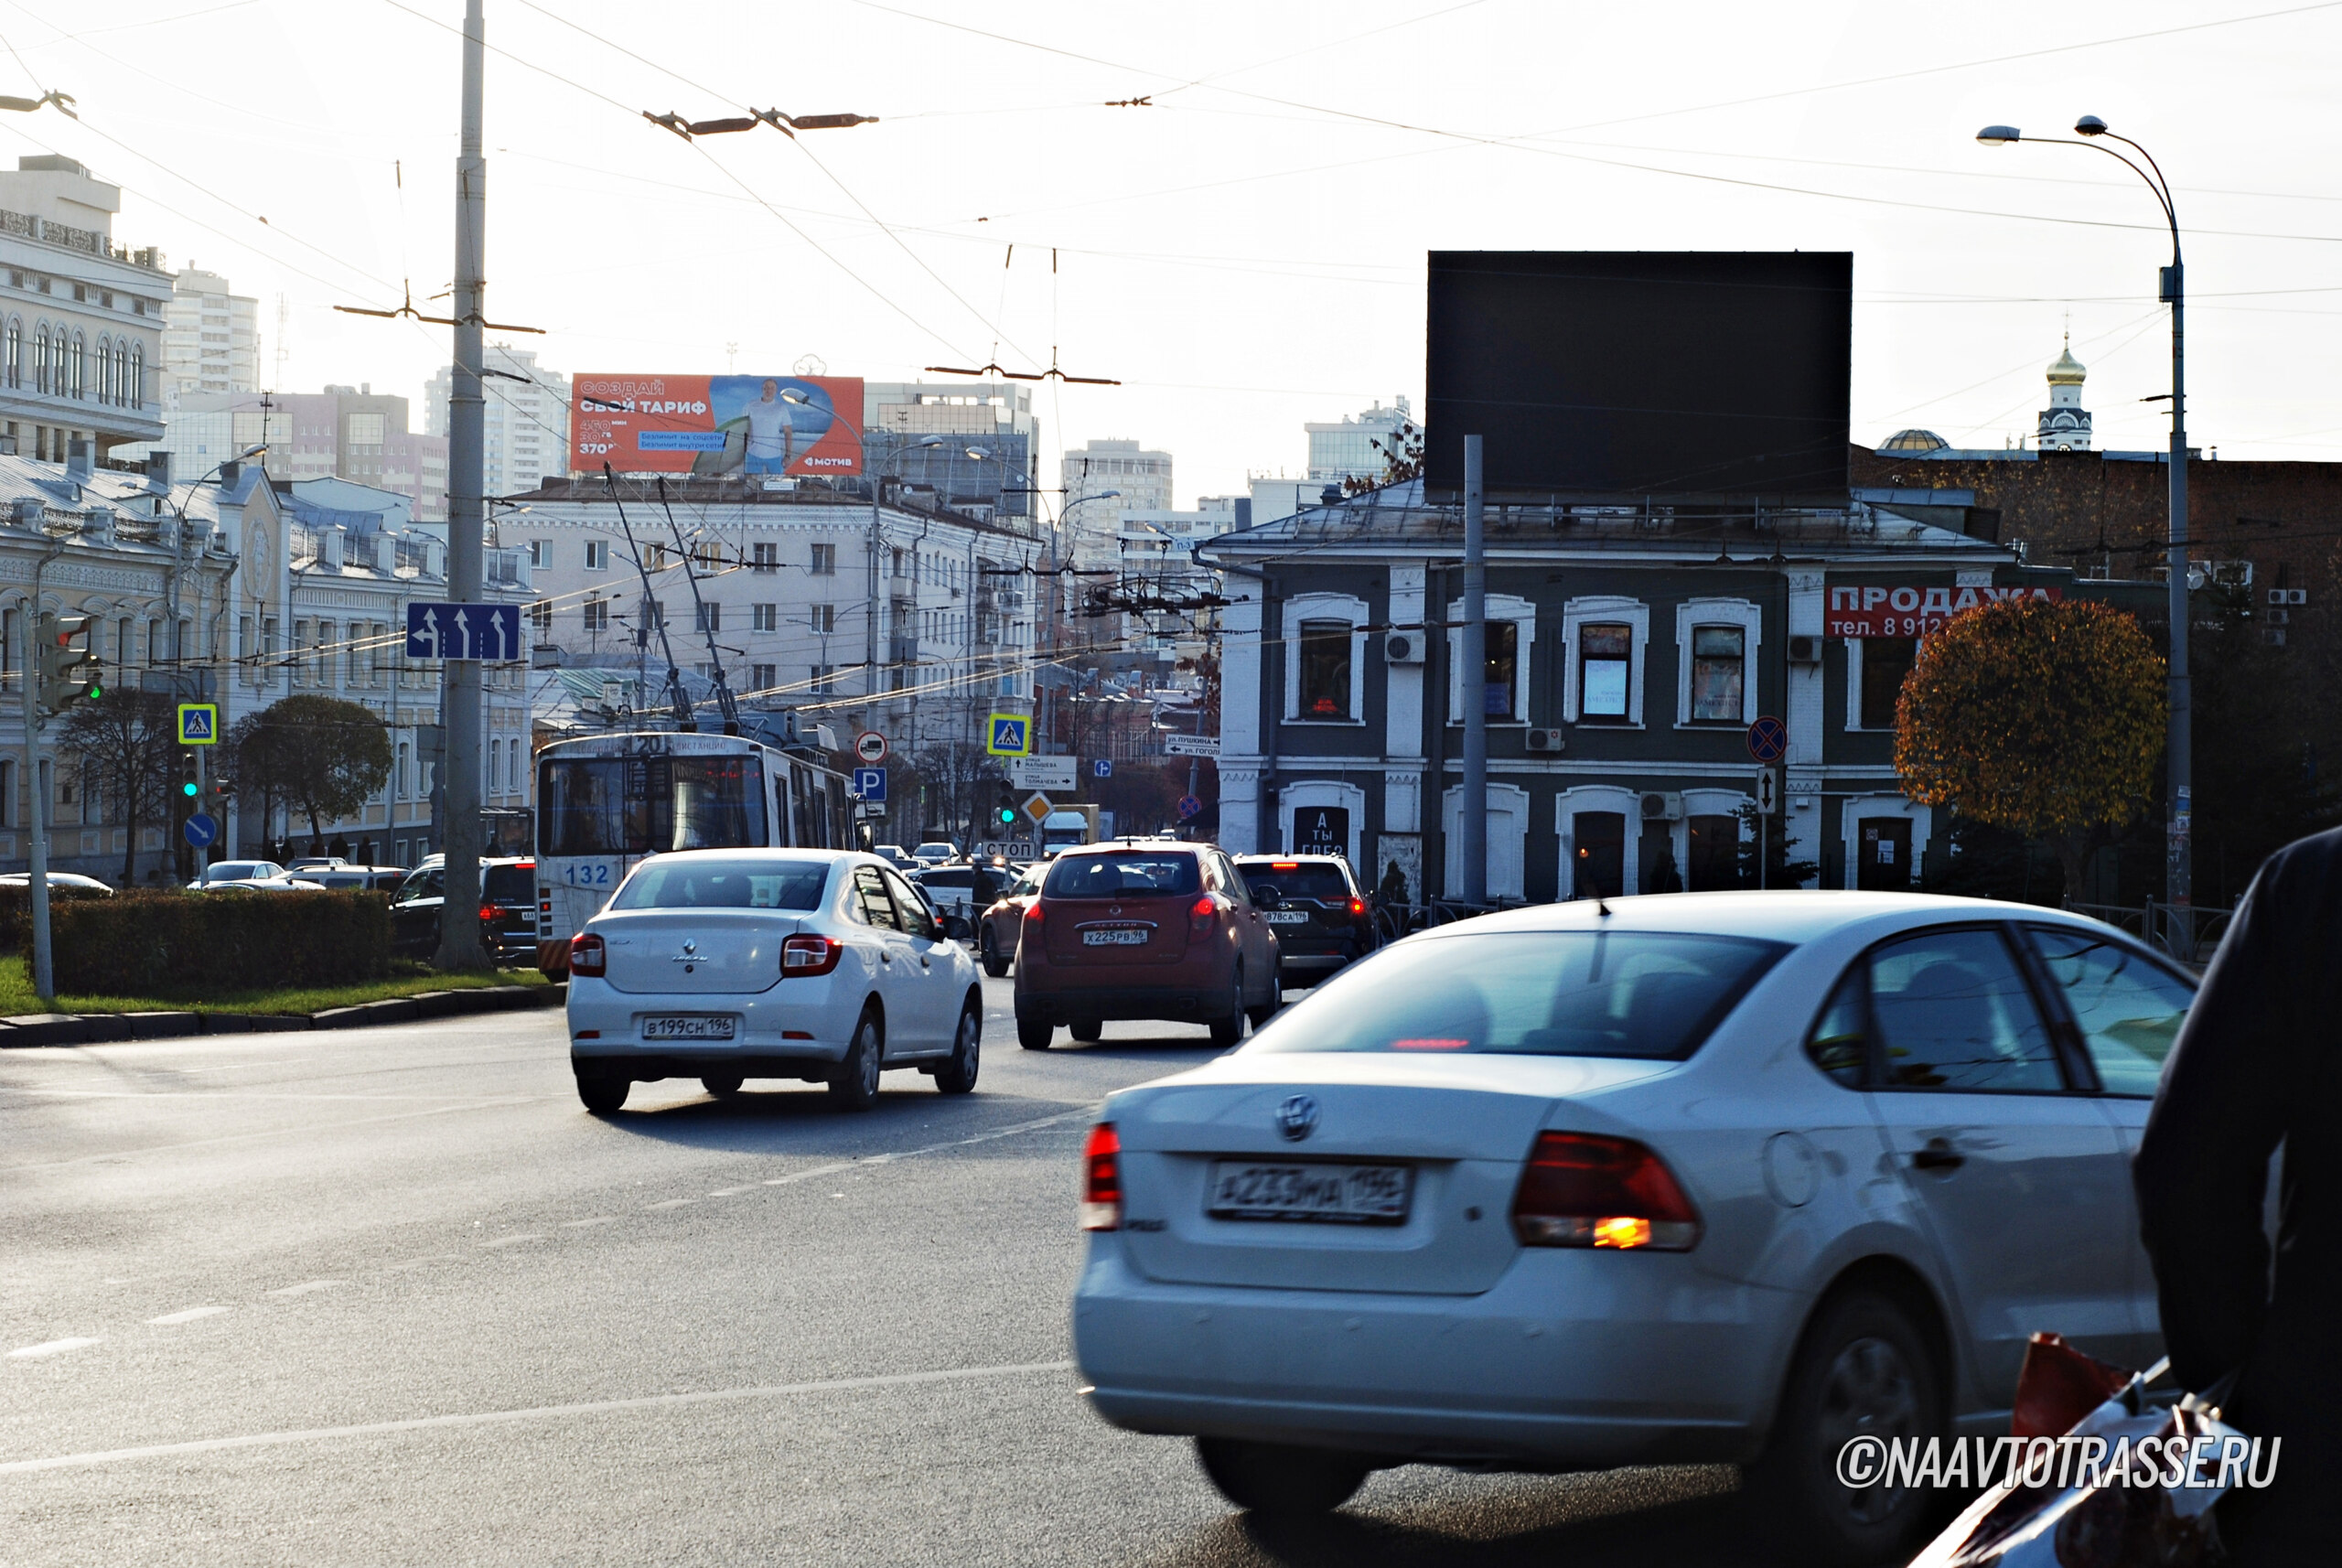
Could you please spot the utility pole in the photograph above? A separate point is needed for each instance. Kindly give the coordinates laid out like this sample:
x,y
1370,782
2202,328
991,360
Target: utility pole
x,y
37,819
466,413
1471,684
2179,739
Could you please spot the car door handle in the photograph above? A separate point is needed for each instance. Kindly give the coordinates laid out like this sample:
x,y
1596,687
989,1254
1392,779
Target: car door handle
x,y
1938,1155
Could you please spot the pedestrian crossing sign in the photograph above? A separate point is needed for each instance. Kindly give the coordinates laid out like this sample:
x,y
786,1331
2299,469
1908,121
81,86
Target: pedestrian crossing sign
x,y
199,724
1011,735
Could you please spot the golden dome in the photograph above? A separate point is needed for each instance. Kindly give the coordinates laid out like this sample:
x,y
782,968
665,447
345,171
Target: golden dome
x,y
2066,370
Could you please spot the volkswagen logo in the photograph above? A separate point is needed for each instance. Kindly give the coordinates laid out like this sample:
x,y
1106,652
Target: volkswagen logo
x,y
1297,1117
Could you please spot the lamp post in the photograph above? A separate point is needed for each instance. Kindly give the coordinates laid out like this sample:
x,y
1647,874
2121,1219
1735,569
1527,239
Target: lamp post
x,y
2178,860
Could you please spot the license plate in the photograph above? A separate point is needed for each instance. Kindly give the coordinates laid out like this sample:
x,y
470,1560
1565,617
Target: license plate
x,y
1288,916
1119,936
1339,1195
687,1026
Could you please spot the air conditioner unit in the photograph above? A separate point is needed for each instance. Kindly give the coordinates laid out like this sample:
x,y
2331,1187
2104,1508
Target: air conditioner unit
x,y
1805,651
1547,740
1403,647
2297,595
2279,618
1662,806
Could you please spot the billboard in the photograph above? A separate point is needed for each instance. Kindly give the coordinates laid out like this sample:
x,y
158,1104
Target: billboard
x,y
1634,373
717,424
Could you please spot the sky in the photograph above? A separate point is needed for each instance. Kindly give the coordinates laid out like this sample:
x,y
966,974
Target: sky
x,y
1243,250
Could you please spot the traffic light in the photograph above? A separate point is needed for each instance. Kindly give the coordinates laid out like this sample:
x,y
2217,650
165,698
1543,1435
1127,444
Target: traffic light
x,y
212,801
64,642
1004,810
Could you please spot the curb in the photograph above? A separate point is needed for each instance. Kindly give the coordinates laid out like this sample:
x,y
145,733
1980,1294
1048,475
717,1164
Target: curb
x,y
32,1029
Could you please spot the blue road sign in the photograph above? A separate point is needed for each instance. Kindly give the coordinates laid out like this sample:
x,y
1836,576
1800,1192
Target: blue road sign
x,y
200,830
1104,767
1768,739
1189,807
199,724
870,786
464,631
1012,736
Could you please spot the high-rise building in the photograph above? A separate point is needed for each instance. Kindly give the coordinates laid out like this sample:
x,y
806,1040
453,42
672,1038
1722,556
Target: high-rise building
x,y
970,443
1141,481
210,337
347,433
525,422
1345,449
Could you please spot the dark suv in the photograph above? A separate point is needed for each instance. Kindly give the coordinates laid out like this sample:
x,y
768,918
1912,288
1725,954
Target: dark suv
x,y
1319,913
508,909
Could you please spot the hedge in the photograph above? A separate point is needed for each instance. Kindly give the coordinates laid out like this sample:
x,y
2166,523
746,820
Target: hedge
x,y
146,942
17,912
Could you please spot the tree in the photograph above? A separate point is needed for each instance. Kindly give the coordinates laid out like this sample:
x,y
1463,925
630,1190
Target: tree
x,y
323,756
2042,717
1780,870
125,747
1403,459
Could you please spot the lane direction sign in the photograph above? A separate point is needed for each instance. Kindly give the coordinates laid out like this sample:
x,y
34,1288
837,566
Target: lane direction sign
x,y
489,632
200,830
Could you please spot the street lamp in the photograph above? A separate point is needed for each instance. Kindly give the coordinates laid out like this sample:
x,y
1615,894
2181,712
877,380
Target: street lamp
x,y
2178,869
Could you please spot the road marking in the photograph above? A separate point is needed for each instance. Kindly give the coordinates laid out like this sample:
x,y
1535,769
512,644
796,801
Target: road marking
x,y
48,1348
537,1413
596,1219
671,1203
730,1191
190,1315
234,1067
1083,1113
307,1286
305,1130
513,1240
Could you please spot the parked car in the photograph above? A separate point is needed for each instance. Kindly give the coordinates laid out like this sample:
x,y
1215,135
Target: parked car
x,y
1143,930
935,853
72,879
508,909
1318,910
997,927
238,871
1704,1177
731,964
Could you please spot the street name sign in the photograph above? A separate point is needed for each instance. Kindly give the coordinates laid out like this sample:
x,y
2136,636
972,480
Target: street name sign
x,y
1191,746
1044,772
490,632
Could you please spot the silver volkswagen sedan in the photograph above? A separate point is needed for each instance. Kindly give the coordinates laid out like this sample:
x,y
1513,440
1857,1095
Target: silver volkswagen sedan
x,y
1704,1177
729,965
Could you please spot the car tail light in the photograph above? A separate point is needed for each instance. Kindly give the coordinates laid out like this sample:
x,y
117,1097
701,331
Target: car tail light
x,y
1357,908
1032,913
1101,1179
1584,1191
490,914
588,956
1285,865
809,955
1205,908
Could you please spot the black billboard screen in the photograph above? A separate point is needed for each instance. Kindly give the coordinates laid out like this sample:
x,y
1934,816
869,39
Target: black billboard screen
x,y
1635,372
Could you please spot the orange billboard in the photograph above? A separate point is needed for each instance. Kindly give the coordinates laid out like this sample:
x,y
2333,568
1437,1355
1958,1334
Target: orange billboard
x,y
795,425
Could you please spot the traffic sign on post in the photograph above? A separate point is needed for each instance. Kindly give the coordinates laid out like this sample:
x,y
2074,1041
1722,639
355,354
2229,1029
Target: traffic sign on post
x,y
870,749
1009,734
490,632
1769,790
200,830
1102,768
1768,739
1043,773
1189,807
199,724
1037,809
1191,746
870,786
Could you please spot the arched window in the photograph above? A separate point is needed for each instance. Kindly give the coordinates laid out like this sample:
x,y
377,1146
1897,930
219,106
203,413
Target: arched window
x,y
138,375
77,367
120,371
12,353
105,369
41,358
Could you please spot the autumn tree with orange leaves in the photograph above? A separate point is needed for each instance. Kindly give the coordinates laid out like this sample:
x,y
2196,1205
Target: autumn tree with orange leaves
x,y
2041,716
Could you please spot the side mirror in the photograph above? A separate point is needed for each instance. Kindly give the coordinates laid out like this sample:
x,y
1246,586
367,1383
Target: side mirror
x,y
956,928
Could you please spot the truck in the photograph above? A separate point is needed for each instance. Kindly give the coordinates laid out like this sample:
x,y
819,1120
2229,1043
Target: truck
x,y
1068,825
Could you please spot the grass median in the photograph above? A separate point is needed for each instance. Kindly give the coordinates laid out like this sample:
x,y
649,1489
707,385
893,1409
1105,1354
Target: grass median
x,y
17,997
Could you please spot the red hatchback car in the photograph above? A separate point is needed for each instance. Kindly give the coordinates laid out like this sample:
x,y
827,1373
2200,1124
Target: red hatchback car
x,y
1143,930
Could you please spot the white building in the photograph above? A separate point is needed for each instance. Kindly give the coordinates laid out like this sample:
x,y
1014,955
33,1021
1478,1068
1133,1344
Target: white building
x,y
2064,424
1348,448
80,319
210,337
525,422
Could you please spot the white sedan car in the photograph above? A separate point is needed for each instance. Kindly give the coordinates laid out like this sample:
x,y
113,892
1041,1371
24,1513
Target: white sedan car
x,y
1724,1176
730,964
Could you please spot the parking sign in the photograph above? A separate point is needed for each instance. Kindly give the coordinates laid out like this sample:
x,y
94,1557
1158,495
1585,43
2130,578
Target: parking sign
x,y
870,786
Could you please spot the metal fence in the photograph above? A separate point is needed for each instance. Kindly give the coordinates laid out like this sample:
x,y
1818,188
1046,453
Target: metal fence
x,y
2187,934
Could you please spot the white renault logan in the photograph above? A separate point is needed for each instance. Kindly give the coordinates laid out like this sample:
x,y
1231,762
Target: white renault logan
x,y
1704,1177
730,964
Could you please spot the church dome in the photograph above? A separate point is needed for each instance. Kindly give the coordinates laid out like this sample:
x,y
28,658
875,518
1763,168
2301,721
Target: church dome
x,y
1914,440
2066,370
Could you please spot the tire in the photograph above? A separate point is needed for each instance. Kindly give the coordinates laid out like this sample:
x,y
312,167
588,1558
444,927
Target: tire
x,y
1863,1370
1277,1478
1087,1030
1272,1005
855,1087
1229,1029
602,1090
1033,1031
995,965
958,1073
723,1085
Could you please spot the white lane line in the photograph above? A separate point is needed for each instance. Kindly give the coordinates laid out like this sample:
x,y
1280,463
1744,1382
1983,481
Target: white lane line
x,y
834,1167
596,1219
190,1315
731,1191
537,1413
511,1241
671,1203
305,1286
48,1348
234,1066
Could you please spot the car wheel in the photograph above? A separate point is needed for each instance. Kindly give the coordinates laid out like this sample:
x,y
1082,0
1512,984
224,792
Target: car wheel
x,y
995,965
958,1074
1270,1006
1087,1030
1033,1031
1279,1478
603,1090
1862,1371
1229,1029
855,1085
723,1085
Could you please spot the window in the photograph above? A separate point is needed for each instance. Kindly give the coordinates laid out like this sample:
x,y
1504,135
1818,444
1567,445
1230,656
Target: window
x,y
1951,1012
870,903
725,885
1325,657
12,353
541,615
825,618
2128,1008
597,555
764,617
709,617
825,561
138,376
1605,654
363,429
825,678
1503,648
1713,846
1886,660
763,678
537,548
896,563
654,615
597,615
1719,660
768,557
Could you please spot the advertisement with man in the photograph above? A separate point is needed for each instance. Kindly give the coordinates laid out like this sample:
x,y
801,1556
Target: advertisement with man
x,y
792,426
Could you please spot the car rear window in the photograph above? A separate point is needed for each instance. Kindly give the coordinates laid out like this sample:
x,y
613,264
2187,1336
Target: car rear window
x,y
508,884
1556,994
725,885
1121,875
1296,879
946,879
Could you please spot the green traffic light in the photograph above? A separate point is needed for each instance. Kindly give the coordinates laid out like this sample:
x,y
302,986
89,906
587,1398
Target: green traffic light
x,y
189,788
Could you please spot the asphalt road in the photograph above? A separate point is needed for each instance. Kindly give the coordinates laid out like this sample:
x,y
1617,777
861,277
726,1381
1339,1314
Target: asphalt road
x,y
390,1295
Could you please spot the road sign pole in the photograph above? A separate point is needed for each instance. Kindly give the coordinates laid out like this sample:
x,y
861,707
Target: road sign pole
x,y
36,813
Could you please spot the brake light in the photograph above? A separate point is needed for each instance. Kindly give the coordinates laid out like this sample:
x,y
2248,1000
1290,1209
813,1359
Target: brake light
x,y
588,956
1285,865
490,914
1205,908
1101,1179
1580,1189
525,866
1358,907
809,955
